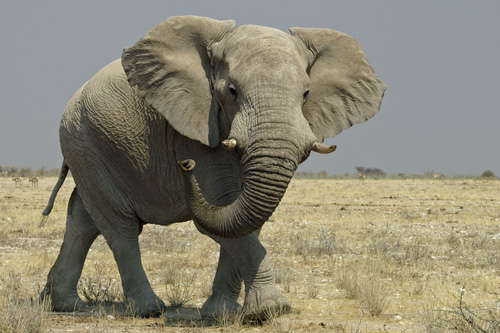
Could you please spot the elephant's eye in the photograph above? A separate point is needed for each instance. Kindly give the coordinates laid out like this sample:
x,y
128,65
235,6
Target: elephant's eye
x,y
306,95
233,91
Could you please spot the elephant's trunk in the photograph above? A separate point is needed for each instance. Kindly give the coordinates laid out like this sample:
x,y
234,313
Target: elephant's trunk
x,y
265,179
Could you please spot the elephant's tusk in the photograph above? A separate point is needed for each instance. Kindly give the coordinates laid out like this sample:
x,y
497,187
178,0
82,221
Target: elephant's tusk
x,y
323,149
229,144
187,165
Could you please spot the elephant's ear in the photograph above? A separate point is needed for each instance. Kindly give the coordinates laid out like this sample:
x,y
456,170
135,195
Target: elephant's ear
x,y
171,69
344,89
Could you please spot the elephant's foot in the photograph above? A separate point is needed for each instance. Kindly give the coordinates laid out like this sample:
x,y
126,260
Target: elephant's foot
x,y
264,302
64,302
219,306
146,306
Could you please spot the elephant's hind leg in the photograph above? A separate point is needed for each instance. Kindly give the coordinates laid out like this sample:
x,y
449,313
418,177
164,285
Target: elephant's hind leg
x,y
121,232
64,275
136,287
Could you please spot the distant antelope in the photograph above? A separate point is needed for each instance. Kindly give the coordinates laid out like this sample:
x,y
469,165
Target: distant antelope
x,y
436,175
361,176
5,173
17,180
34,182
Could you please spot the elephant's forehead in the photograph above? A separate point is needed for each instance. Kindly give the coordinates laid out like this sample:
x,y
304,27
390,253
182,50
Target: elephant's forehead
x,y
255,38
253,44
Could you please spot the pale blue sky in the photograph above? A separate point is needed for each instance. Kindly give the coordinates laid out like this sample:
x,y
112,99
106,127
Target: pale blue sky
x,y
439,59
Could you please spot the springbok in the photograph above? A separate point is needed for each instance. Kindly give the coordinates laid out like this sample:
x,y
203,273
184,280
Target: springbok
x,y
17,180
436,175
361,176
34,182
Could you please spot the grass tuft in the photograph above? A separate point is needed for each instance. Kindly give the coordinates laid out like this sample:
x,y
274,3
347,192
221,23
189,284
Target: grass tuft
x,y
17,312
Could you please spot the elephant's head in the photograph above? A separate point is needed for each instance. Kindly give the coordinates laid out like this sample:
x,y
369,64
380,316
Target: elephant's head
x,y
269,96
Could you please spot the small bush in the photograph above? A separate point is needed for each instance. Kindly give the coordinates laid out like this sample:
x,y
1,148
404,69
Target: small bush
x,y
99,291
461,318
374,172
474,320
180,289
488,174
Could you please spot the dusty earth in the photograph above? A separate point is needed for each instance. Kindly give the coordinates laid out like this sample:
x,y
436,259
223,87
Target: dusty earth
x,y
351,255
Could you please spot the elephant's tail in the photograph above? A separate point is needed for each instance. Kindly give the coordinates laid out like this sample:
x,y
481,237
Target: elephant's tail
x,y
62,176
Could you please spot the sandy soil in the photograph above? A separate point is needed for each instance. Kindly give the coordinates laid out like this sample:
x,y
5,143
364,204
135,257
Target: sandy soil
x,y
351,255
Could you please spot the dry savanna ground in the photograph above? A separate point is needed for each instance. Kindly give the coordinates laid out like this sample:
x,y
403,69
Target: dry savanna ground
x,y
350,255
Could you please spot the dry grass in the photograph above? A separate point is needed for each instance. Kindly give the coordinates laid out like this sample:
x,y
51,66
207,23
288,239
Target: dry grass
x,y
351,256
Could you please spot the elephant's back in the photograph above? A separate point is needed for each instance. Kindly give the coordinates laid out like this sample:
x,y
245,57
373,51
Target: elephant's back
x,y
110,114
108,125
108,94
100,97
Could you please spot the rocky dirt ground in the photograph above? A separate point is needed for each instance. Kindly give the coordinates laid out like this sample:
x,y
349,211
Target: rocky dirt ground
x,y
350,255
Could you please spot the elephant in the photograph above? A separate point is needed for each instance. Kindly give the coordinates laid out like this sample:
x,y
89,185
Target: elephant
x,y
206,121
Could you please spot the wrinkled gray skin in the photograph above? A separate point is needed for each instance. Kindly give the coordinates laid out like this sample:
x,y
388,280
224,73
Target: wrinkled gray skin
x,y
190,83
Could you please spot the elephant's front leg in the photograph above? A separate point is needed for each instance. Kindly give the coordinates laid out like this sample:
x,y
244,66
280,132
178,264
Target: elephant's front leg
x,y
251,261
225,289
